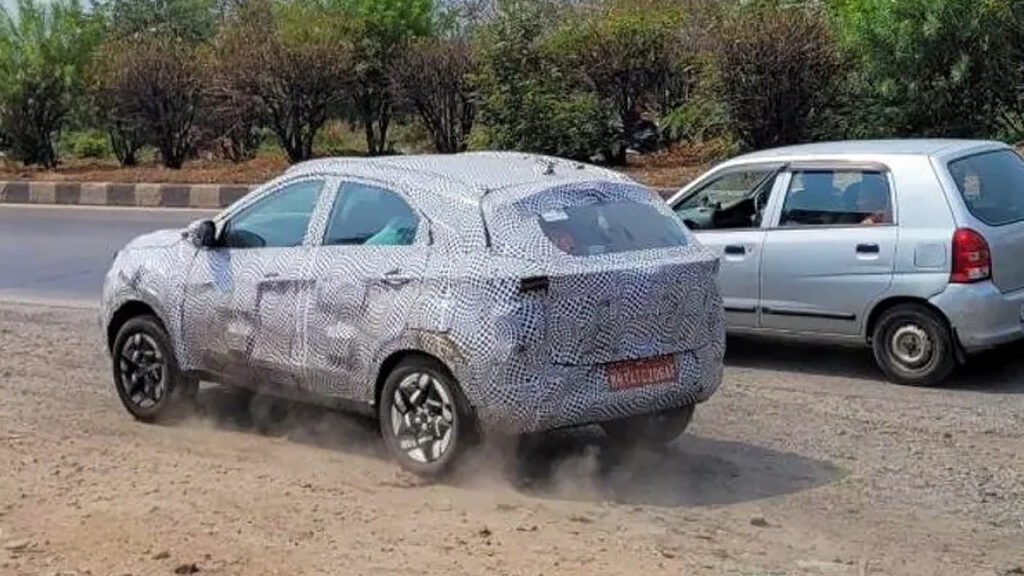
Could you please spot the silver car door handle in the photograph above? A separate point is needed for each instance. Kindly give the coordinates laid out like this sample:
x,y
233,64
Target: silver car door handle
x,y
868,249
735,250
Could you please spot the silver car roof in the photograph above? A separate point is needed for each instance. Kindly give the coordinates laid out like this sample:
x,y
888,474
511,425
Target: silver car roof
x,y
861,149
468,174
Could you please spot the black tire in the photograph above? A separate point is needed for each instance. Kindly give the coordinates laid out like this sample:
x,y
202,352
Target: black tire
x,y
913,346
437,462
658,429
143,339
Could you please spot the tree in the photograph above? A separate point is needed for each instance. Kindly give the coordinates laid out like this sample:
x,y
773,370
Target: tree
x,y
936,67
43,50
293,68
776,68
632,53
193,21
385,27
528,101
434,75
152,84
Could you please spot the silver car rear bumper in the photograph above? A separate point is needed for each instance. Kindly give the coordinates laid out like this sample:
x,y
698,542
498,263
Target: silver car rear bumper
x,y
982,316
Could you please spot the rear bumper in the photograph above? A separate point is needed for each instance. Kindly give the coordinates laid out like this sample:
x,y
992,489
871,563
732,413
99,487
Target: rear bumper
x,y
981,315
568,396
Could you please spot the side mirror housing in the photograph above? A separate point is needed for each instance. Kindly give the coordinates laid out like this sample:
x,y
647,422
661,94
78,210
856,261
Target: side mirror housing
x,y
203,233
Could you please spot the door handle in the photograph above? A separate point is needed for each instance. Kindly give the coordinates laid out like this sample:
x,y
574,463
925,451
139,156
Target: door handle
x,y
271,275
396,278
735,250
868,249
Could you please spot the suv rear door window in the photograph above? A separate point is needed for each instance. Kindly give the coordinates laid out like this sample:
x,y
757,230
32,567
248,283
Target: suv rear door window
x,y
992,186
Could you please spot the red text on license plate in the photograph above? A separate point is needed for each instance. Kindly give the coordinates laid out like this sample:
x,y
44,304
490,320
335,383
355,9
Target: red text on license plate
x,y
636,373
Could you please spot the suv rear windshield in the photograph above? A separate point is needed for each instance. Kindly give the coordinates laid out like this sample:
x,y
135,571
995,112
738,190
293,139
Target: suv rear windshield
x,y
992,186
609,227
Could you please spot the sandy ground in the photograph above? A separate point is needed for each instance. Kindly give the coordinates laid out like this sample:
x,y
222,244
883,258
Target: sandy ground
x,y
804,463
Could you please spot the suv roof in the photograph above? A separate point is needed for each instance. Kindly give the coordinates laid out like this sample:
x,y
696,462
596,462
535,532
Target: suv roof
x,y
474,173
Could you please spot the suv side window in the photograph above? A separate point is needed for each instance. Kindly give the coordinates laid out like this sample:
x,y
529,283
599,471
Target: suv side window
x,y
837,198
278,220
370,215
732,201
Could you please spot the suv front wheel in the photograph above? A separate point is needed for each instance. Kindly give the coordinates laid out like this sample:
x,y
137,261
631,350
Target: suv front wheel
x,y
146,371
913,346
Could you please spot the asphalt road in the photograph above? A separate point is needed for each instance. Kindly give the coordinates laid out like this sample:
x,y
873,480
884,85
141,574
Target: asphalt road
x,y
52,253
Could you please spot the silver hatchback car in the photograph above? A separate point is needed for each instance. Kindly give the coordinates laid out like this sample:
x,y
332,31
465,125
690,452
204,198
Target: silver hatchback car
x,y
914,247
507,292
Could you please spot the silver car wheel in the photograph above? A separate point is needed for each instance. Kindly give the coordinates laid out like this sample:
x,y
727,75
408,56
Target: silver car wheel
x,y
910,345
422,417
142,371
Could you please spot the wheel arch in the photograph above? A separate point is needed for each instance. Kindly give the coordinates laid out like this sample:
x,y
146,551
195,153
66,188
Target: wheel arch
x,y
889,303
394,358
129,309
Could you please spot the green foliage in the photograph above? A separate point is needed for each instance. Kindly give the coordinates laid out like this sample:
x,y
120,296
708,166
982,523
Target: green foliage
x,y
87,144
193,21
699,120
43,50
528,100
776,69
937,67
384,28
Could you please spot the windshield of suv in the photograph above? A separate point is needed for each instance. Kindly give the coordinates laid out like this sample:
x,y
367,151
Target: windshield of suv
x,y
992,186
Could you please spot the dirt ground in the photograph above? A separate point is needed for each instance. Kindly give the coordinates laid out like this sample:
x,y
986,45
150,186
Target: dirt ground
x,y
803,463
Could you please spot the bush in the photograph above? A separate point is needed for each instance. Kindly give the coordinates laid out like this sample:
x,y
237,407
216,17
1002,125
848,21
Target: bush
x,y
434,76
153,85
293,68
43,51
87,144
777,69
632,54
937,67
527,100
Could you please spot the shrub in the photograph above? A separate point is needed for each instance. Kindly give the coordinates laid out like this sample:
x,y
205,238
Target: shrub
x,y
384,29
87,144
937,67
527,100
632,53
294,69
434,76
777,68
153,85
43,50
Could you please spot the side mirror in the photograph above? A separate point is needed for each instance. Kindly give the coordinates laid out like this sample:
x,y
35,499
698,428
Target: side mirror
x,y
203,233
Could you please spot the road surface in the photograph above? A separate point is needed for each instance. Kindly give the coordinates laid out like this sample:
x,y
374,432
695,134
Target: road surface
x,y
56,253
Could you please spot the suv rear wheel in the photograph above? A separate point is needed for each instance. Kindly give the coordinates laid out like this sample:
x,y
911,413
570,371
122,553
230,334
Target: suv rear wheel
x,y
424,417
913,346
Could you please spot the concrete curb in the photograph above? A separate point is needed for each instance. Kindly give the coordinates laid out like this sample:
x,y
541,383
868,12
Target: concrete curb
x,y
122,194
137,195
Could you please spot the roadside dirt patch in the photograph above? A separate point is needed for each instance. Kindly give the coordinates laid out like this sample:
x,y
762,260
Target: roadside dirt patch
x,y
804,463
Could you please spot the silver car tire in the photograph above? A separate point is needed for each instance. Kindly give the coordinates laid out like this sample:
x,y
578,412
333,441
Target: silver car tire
x,y
913,346
424,417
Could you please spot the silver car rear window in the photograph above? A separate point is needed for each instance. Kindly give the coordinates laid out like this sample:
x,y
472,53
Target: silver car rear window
x,y
992,186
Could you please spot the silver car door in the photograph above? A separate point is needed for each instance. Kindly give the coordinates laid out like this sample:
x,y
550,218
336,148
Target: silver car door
x,y
726,215
368,276
243,294
831,252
